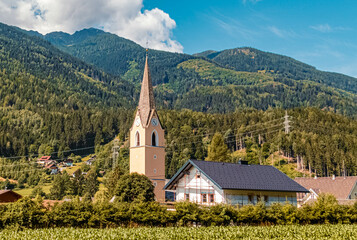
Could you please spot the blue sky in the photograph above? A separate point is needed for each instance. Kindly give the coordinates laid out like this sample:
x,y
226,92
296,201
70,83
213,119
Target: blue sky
x,y
320,33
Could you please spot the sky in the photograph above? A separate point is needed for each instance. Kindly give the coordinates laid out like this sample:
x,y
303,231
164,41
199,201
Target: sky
x,y
322,33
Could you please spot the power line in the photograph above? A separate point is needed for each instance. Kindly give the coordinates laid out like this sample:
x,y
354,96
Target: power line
x,y
36,155
246,133
245,128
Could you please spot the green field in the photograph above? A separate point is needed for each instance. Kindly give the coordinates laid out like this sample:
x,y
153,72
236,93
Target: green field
x,y
272,232
27,191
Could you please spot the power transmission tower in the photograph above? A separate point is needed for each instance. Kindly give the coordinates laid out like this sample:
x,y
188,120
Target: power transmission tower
x,y
115,150
286,123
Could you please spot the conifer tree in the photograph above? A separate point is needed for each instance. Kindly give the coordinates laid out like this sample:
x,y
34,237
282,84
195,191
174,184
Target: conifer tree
x,y
218,150
91,183
60,186
77,183
112,179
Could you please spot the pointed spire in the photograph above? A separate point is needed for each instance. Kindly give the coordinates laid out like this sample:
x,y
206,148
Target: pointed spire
x,y
146,101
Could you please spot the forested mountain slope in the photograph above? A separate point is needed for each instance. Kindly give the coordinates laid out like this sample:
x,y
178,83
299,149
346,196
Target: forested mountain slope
x,y
254,60
49,97
221,82
115,55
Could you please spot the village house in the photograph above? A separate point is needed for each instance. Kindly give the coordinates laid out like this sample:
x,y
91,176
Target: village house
x,y
9,196
91,160
209,183
44,160
343,188
68,163
53,168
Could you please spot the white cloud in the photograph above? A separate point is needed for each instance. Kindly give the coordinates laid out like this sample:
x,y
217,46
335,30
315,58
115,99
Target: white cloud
x,y
322,28
326,28
276,31
252,1
123,17
282,33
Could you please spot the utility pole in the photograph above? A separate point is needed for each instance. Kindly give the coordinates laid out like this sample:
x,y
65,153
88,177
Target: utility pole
x,y
115,154
286,123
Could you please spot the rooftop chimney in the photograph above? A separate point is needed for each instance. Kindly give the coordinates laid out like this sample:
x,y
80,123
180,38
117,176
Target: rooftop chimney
x,y
242,162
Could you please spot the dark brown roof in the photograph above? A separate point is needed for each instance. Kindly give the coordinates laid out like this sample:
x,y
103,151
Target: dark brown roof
x,y
9,196
146,101
340,187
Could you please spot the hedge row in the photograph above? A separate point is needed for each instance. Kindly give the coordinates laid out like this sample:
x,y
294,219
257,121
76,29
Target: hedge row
x,y
29,213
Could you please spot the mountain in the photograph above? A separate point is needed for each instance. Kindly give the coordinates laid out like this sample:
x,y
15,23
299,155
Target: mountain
x,y
113,54
215,81
254,60
49,98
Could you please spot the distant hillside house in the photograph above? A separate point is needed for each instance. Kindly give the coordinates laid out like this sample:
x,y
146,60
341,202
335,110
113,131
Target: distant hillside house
x,y
209,183
53,167
9,196
68,163
44,160
90,161
343,188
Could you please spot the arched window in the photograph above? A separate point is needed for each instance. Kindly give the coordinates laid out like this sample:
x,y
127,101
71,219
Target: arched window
x,y
154,141
137,139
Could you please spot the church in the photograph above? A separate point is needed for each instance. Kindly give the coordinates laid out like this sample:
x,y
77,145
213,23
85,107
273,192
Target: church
x,y
147,142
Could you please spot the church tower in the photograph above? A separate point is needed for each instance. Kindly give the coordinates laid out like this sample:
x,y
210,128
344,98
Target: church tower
x,y
147,143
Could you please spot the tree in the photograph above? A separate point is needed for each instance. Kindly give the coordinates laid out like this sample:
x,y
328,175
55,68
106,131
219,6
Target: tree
x,y
135,187
91,183
218,150
60,186
77,183
111,180
37,191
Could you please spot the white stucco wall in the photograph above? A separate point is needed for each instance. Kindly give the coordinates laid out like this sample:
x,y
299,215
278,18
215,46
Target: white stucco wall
x,y
196,186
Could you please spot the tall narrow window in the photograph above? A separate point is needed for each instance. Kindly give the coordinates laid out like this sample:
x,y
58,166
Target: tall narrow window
x,y
187,196
137,139
204,197
153,139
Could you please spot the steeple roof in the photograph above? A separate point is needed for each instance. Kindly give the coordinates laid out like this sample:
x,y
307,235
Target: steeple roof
x,y
146,101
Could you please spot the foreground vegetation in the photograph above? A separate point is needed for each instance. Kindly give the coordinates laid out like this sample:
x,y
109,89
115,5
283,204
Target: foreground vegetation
x,y
102,214
243,232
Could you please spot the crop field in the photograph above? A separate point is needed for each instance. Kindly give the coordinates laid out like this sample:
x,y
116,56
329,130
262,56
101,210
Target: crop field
x,y
246,232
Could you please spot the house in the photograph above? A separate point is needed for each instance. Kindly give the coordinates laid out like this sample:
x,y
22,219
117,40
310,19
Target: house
x,y
90,161
209,183
68,163
43,160
343,188
53,167
9,196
